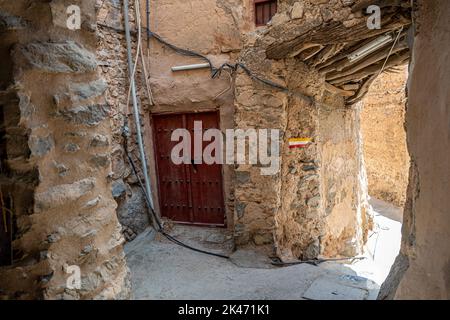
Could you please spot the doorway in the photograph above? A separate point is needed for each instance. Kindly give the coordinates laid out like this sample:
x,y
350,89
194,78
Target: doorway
x,y
188,193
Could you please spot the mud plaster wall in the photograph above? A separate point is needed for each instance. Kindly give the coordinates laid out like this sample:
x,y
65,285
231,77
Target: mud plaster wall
x,y
344,182
214,29
62,110
422,270
383,126
302,212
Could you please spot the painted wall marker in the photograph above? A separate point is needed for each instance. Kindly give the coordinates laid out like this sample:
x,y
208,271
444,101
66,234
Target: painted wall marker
x,y
299,142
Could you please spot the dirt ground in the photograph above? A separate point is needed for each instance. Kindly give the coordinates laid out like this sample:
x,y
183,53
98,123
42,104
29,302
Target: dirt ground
x,y
163,270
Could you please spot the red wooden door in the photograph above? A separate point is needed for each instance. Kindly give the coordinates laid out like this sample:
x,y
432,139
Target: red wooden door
x,y
264,11
188,193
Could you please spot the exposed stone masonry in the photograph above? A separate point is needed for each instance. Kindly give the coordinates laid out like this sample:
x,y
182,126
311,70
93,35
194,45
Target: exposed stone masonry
x,y
64,114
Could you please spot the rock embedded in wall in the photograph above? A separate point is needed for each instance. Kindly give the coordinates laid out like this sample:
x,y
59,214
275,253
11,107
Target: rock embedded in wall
x,y
90,115
63,57
10,22
41,145
100,160
99,141
79,92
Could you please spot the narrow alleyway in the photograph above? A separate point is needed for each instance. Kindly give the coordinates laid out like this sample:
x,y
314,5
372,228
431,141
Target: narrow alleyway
x,y
163,270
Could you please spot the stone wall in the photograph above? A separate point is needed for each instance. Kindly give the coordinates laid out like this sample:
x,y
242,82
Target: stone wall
x,y
287,223
224,27
67,218
383,126
257,197
422,270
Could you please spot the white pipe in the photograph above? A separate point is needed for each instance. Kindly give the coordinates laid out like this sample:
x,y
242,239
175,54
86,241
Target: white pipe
x,y
191,67
135,105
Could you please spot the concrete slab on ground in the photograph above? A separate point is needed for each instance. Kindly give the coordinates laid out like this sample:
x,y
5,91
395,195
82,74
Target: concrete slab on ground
x,y
328,289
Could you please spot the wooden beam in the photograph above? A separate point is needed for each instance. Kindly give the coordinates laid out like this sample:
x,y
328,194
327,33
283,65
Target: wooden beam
x,y
336,90
327,66
309,53
327,53
351,86
301,48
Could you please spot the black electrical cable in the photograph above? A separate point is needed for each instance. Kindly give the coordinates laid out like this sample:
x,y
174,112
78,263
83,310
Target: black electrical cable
x,y
153,215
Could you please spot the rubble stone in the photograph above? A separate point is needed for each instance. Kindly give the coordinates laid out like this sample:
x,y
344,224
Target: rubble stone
x,y
62,57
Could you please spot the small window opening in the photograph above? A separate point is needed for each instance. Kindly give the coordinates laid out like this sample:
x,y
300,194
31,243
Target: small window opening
x,y
264,11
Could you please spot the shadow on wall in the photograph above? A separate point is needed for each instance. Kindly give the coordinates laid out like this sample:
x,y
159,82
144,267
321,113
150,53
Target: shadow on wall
x,y
384,137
